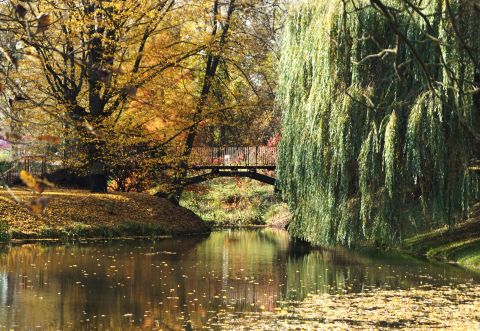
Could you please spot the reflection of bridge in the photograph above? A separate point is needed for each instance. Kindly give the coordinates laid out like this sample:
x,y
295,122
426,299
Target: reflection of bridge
x,y
232,162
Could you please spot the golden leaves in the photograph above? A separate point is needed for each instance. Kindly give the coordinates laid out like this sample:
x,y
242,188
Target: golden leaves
x,y
38,204
38,185
28,179
418,308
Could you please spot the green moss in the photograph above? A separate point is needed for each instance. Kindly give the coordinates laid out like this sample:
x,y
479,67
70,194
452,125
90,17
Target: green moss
x,y
460,244
472,258
79,231
4,235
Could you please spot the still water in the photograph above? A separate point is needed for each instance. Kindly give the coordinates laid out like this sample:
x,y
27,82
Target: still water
x,y
176,284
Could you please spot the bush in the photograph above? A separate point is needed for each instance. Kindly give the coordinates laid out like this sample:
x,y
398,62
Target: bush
x,y
4,235
232,201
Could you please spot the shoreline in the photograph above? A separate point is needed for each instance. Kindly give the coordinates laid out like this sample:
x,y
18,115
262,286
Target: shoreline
x,y
458,253
78,214
458,245
100,239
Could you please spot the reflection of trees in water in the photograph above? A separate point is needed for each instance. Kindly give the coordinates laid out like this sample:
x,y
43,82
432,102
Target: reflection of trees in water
x,y
247,272
340,270
78,282
234,271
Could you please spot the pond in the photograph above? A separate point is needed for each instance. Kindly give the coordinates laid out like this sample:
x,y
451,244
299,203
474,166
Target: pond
x,y
190,283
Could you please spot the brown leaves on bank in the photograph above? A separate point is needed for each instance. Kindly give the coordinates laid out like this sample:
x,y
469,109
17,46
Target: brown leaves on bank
x,y
64,210
38,205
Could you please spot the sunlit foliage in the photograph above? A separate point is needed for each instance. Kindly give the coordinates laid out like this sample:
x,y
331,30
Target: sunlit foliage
x,y
379,120
116,89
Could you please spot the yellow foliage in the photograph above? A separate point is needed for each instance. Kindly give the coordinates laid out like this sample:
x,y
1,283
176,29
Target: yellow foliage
x,y
28,179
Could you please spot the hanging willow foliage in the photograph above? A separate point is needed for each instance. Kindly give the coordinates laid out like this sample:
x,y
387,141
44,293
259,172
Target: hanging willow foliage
x,y
377,122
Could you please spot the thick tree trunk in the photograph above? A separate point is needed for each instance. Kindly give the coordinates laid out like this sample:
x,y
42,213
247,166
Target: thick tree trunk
x,y
98,58
98,178
97,171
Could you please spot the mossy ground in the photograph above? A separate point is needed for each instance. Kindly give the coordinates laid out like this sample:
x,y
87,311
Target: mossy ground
x,y
79,213
236,202
460,244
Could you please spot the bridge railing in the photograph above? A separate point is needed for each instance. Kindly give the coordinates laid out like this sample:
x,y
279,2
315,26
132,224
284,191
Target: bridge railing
x,y
256,156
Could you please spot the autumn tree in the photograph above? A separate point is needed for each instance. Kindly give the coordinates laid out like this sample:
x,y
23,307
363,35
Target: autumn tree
x,y
234,86
131,91
82,62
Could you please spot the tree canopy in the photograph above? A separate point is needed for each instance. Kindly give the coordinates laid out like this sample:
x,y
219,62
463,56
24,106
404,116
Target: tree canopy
x,y
380,105
121,90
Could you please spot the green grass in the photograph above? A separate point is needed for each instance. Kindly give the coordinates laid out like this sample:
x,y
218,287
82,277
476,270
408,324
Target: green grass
x,y
77,231
472,258
234,202
460,244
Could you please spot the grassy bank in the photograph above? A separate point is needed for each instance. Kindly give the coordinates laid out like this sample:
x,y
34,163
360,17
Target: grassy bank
x,y
236,202
78,213
460,244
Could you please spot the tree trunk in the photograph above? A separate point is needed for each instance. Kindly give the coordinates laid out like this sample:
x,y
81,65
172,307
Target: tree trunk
x,y
98,58
97,173
213,60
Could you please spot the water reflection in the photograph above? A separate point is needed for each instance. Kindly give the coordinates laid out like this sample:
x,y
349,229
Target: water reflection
x,y
183,283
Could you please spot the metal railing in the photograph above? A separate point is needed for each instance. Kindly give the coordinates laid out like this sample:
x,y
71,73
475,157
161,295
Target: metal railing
x,y
256,156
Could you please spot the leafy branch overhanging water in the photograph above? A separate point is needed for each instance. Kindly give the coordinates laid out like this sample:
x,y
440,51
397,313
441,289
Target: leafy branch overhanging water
x,y
380,106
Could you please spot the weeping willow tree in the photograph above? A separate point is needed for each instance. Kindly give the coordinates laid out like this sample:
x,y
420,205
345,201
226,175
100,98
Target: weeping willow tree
x,y
380,116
